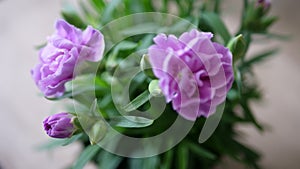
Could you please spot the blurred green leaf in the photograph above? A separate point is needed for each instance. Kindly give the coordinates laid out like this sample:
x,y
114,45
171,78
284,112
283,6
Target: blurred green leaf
x,y
197,149
107,14
258,58
182,156
72,17
130,121
249,114
145,42
216,23
138,101
144,163
98,5
72,139
87,154
124,45
53,143
167,159
108,160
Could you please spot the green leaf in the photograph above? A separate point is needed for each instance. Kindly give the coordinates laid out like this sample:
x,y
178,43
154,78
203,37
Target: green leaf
x,y
72,139
197,149
125,45
216,23
182,157
108,11
144,163
167,160
145,42
138,101
98,5
72,17
130,121
53,143
249,114
108,160
258,58
87,154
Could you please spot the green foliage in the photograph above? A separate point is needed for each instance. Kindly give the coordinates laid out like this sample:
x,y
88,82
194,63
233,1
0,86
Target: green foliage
x,y
188,153
87,154
54,143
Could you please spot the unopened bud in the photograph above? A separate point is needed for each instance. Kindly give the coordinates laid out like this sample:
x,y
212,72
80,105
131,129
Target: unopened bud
x,y
237,46
146,66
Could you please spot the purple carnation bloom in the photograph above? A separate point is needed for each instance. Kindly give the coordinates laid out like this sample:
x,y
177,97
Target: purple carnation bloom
x,y
59,125
67,47
194,72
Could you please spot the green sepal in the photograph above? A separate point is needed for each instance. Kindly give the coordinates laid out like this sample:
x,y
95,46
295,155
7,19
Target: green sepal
x,y
237,46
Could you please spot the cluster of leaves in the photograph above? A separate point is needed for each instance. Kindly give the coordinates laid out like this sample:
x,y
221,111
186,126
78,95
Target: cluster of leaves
x,y
189,153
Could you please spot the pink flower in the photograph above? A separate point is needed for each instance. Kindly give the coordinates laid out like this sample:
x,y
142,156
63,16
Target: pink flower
x,y
192,71
67,47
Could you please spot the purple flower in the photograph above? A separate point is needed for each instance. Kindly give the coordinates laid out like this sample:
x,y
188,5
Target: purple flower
x,y
59,125
194,72
67,47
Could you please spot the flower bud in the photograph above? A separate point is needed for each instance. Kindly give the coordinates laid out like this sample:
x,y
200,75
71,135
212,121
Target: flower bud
x,y
154,88
237,46
59,125
266,4
146,66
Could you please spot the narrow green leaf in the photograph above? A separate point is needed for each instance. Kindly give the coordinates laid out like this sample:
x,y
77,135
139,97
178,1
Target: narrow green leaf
x,y
98,5
72,17
182,157
53,143
138,101
125,45
258,58
144,163
145,42
130,121
72,139
197,149
249,114
108,11
108,160
87,154
216,23
168,159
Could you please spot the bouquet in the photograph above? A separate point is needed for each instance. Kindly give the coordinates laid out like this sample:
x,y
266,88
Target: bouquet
x,y
153,84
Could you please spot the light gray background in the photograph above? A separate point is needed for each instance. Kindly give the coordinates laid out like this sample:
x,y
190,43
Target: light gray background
x,y
26,23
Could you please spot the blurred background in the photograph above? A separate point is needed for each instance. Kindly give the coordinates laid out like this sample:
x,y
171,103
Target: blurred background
x,y
26,24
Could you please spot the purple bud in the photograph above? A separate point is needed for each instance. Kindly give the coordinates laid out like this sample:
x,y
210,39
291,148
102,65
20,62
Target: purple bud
x,y
266,4
59,125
